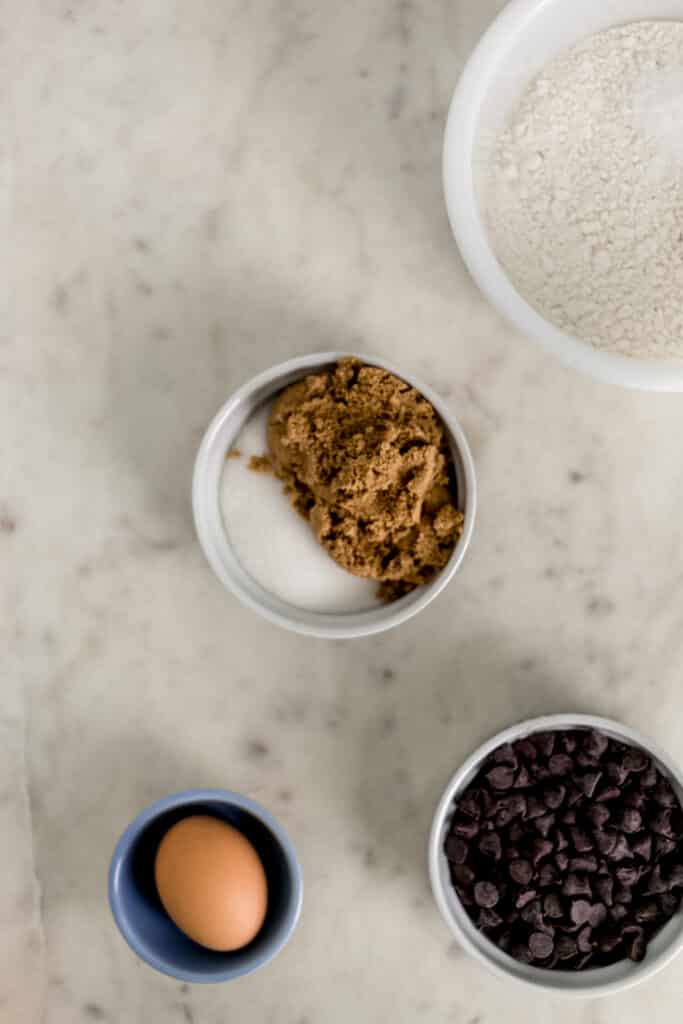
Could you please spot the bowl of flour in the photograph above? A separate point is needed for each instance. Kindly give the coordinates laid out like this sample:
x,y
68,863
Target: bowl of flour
x,y
563,175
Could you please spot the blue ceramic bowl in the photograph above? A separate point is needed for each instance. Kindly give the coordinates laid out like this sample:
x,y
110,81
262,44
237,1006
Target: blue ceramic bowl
x,y
138,911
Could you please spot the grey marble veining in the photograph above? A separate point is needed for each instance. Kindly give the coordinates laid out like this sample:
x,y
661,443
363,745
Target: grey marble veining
x,y
188,193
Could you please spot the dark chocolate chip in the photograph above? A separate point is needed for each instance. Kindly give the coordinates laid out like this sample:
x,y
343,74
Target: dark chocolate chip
x,y
569,742
606,841
565,947
466,828
569,817
526,749
516,832
618,912
631,820
522,778
509,808
589,782
585,863
669,903
636,760
456,849
506,755
675,879
464,874
606,794
598,915
648,912
535,808
617,773
561,841
584,940
664,795
627,876
621,850
552,905
580,912
661,823
664,846
581,840
521,872
547,875
642,845
540,945
560,764
486,894
562,861
522,954
649,777
609,941
623,895
540,848
544,742
490,845
637,947
488,919
595,744
577,885
574,796
545,824
501,777
604,888
598,815
525,897
553,796
469,805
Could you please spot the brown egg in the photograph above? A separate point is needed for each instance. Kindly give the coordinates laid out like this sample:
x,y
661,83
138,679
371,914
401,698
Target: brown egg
x,y
211,883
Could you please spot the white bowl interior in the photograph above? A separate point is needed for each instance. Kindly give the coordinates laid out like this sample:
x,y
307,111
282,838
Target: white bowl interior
x,y
527,35
589,983
221,436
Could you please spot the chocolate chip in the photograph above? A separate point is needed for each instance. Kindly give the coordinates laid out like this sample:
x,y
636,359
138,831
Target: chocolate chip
x,y
621,850
664,794
509,808
627,876
466,828
544,824
525,897
617,773
553,796
595,744
562,861
464,874
501,777
631,820
486,894
489,919
584,940
580,912
552,905
637,947
635,760
643,846
456,849
577,885
540,945
490,846
544,743
565,947
586,863
540,848
598,815
526,750
589,782
604,888
581,840
648,912
521,872
563,843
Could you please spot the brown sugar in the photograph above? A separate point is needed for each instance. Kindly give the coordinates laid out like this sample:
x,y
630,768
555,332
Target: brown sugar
x,y
365,458
260,464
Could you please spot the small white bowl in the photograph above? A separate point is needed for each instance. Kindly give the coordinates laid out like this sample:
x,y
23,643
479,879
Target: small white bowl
x,y
519,43
221,436
588,984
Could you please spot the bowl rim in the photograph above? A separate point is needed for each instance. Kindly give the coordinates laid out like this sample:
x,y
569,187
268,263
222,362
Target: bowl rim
x,y
471,235
585,985
189,798
215,544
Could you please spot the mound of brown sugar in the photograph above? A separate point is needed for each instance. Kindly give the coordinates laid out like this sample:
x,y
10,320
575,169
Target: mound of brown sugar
x,y
365,458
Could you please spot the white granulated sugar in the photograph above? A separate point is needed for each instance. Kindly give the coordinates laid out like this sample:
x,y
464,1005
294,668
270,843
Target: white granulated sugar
x,y
584,196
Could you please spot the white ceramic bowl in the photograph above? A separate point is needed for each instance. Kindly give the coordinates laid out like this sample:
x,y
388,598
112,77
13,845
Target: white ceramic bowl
x,y
527,35
214,539
602,981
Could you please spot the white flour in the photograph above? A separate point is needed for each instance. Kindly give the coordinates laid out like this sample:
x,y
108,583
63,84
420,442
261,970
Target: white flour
x,y
584,196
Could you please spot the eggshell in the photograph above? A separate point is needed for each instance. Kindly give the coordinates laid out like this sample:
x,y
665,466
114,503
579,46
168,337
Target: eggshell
x,y
211,883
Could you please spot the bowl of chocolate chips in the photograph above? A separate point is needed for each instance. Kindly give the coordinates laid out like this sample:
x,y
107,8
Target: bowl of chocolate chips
x,y
556,855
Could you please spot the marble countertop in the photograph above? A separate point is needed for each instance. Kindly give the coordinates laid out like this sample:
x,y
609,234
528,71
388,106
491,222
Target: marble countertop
x,y
190,192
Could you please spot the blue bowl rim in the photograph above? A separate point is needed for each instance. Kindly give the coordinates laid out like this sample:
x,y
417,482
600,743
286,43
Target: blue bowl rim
x,y
188,798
